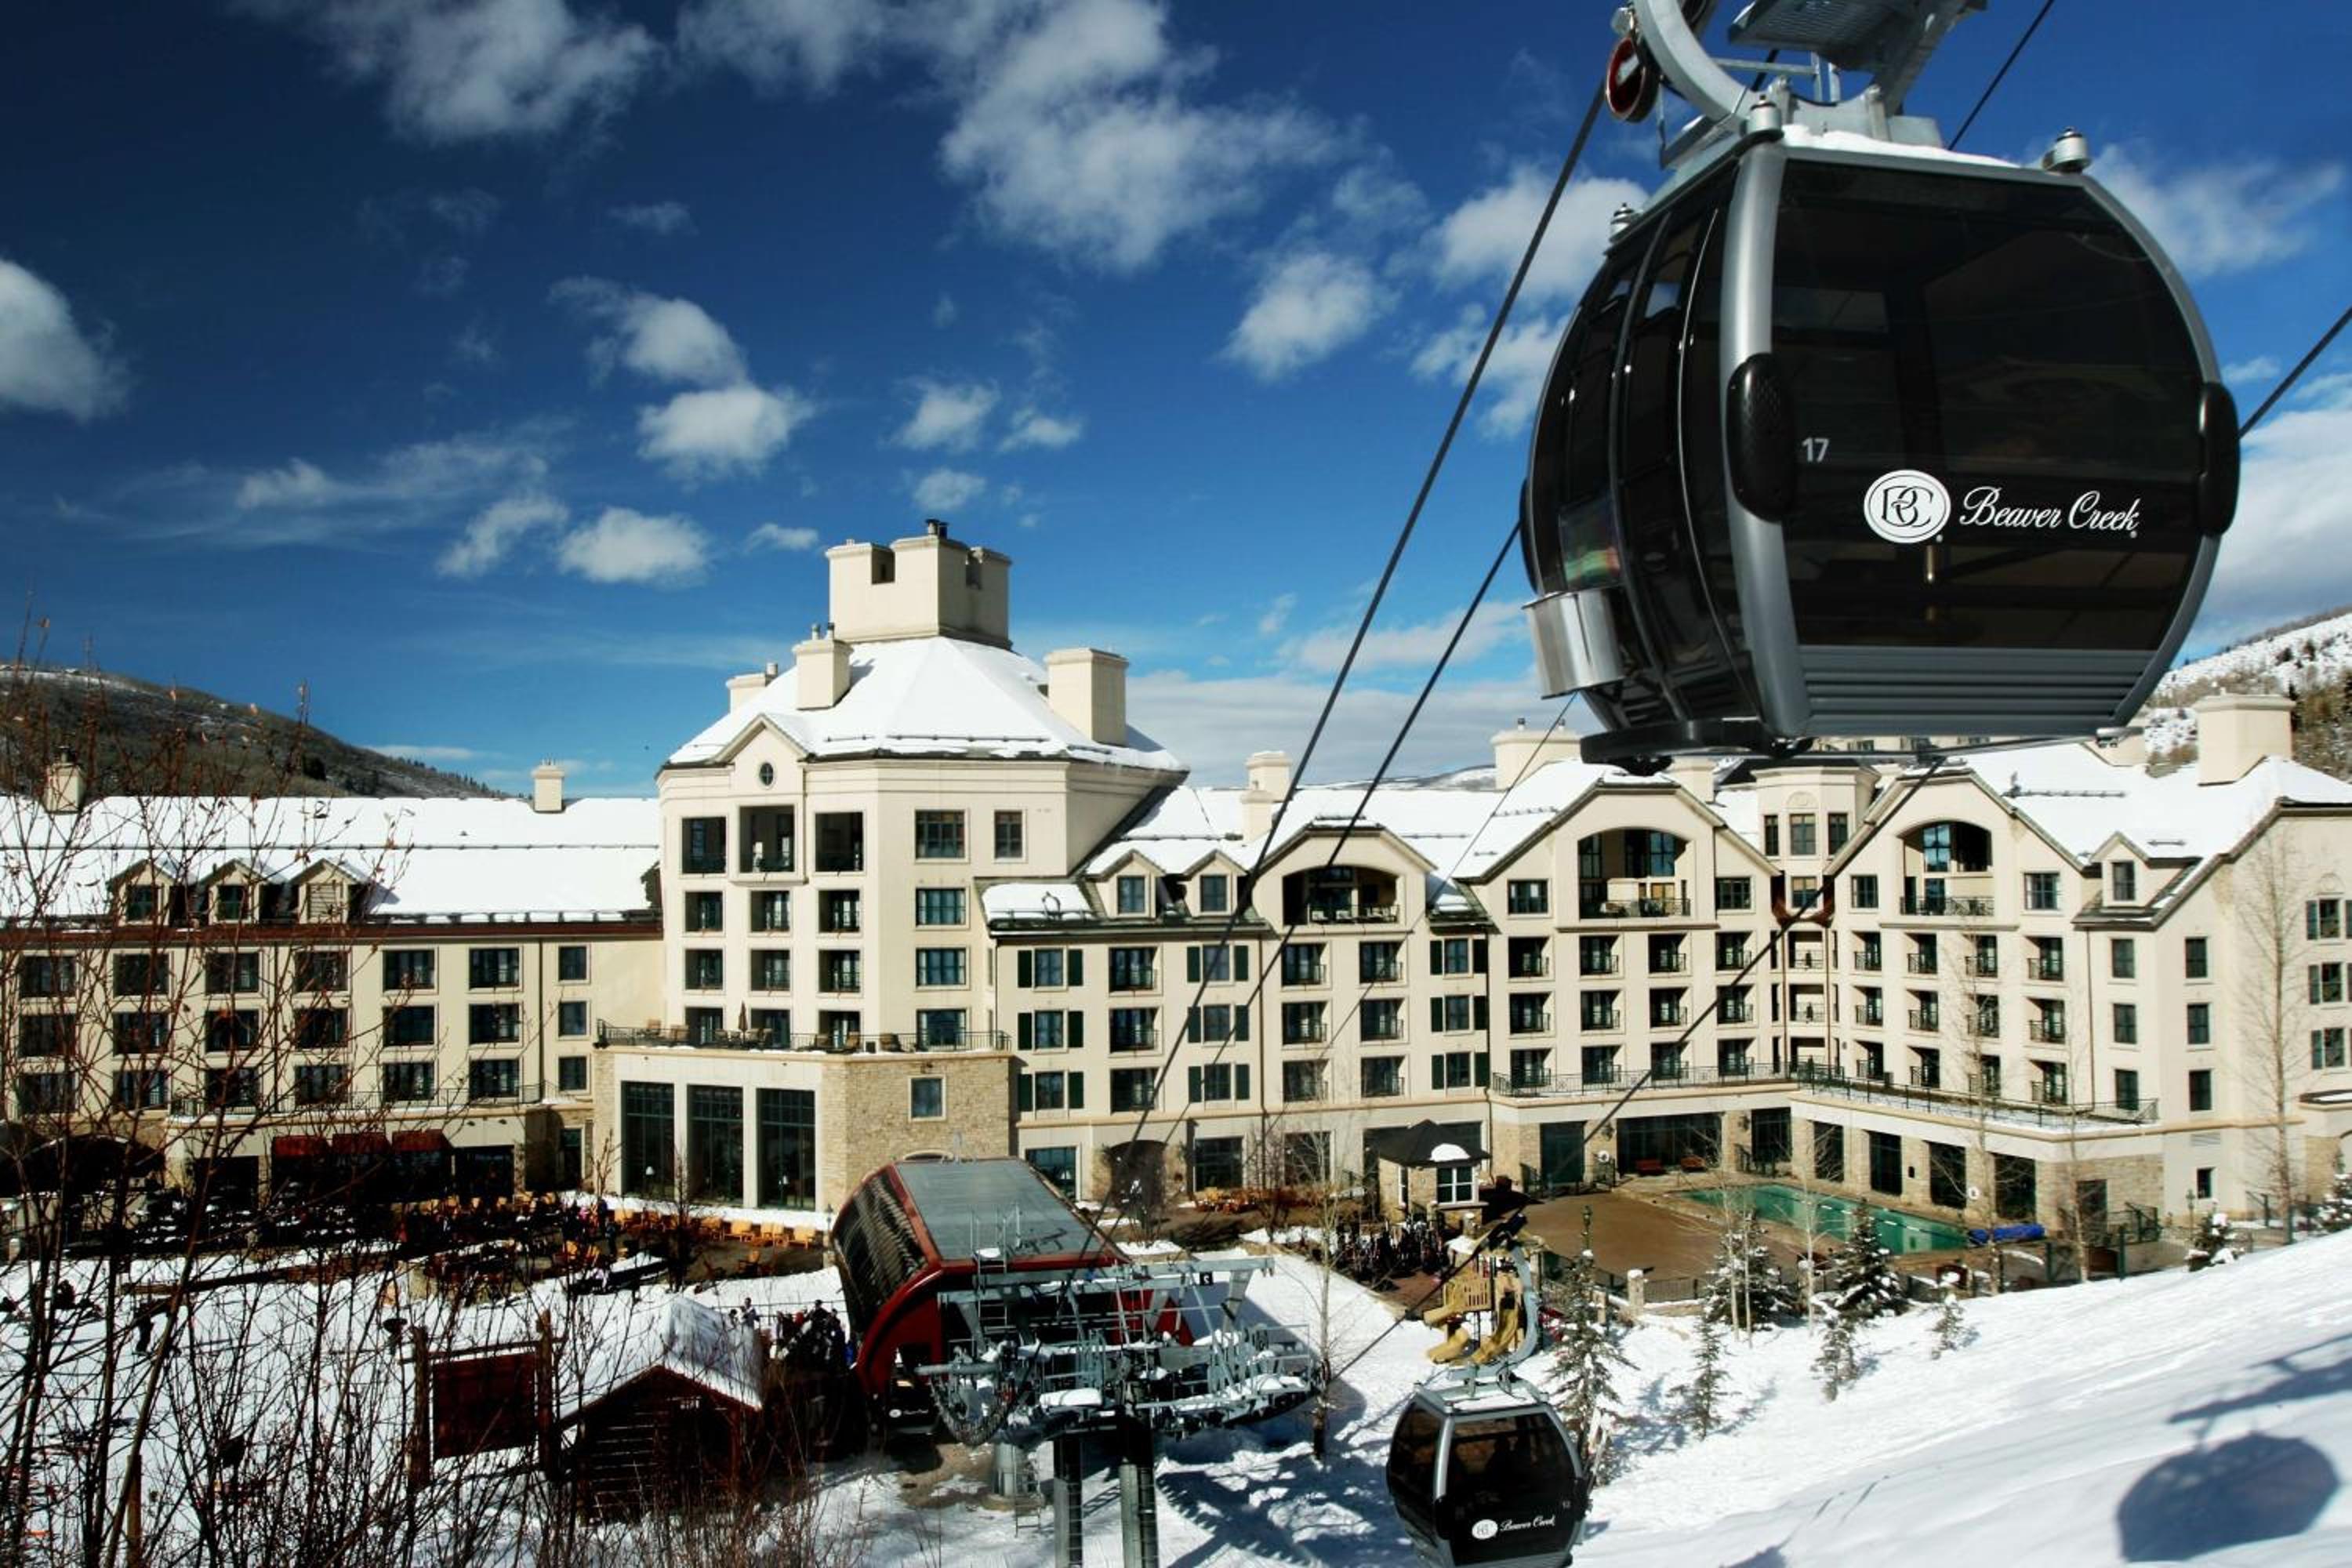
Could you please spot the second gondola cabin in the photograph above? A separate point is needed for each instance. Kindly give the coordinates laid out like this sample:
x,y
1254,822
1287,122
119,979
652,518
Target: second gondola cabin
x,y
1856,436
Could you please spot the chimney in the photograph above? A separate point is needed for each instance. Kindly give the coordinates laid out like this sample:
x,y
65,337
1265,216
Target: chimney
x,y
742,689
1695,774
62,789
2125,749
1269,781
1088,689
1520,752
547,788
821,668
2237,730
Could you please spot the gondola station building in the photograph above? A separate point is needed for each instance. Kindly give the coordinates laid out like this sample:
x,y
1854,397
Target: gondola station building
x,y
914,892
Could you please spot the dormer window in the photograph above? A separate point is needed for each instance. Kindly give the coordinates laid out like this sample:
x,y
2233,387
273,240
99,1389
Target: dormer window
x,y
1215,894
230,902
140,901
2123,882
1131,894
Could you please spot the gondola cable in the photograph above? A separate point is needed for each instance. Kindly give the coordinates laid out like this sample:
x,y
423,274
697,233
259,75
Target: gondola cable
x,y
2002,74
2295,375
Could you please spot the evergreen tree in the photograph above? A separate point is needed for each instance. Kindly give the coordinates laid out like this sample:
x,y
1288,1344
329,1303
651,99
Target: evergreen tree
x,y
1703,1395
1589,1358
1860,1281
2218,1241
2336,1209
1952,1328
1745,1287
1835,1363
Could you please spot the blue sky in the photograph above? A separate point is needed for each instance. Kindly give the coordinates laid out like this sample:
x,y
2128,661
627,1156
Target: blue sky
x,y
497,368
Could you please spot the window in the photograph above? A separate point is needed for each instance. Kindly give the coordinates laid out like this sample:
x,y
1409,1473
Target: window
x,y
1598,1009
771,910
141,902
1382,1078
939,1029
933,907
1049,1031
1455,1183
1216,1022
1216,963
1217,1081
232,1086
1451,1014
939,836
2127,1024
2194,959
1131,968
1802,839
229,901
1863,892
1734,893
1771,836
1381,1018
2326,1048
138,1032
488,968
408,970
1886,1164
714,1143
1049,968
939,966
1131,1089
1055,1090
1598,954
1380,963
571,962
142,1089
321,1028
322,1083
44,1034
226,974
409,1025
1302,1023
1217,1163
1528,896
2204,1182
1457,1069
772,969
1531,1014
1530,1069
2200,1089
2123,882
706,969
1839,830
1134,1028
1457,955
1130,892
1528,958
571,1075
648,1139
838,973
2123,958
1008,836
2042,891
572,1019
773,1026
2327,982
1302,964
703,851
705,911
231,1031
2201,1023
493,1078
787,1155
2323,918
927,1098
493,1023
1059,1166
45,976
406,1082
704,1025
841,841
1216,894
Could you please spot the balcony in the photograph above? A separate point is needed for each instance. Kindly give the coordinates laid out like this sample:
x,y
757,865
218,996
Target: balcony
x,y
1674,962
1870,1014
1387,974
1530,1023
1731,958
2047,1030
1302,1033
2049,968
1807,1014
1302,973
1615,1081
1537,968
1921,964
1596,1023
1985,1025
1803,962
2038,1111
1947,906
1981,968
1135,1040
1926,1020
1340,895
1669,1018
1737,1012
1869,959
847,1043
1591,964
1633,908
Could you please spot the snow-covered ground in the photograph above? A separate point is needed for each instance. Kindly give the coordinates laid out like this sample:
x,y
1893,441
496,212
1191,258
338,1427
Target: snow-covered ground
x,y
2311,658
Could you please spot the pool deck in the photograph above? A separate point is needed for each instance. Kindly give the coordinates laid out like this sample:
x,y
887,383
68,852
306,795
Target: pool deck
x,y
1648,1224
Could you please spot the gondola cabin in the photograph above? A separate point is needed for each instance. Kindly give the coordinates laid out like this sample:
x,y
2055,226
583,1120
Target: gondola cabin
x,y
916,1227
1488,1476
1854,436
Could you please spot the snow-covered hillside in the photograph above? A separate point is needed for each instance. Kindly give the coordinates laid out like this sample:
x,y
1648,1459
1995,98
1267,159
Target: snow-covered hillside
x,y
2303,659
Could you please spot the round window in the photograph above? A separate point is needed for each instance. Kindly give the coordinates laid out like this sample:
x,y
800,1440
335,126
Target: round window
x,y
767,773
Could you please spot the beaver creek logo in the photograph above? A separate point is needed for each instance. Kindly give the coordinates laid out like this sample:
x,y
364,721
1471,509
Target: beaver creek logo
x,y
1906,506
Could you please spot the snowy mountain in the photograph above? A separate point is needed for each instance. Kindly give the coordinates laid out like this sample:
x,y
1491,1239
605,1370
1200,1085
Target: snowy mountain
x,y
2310,661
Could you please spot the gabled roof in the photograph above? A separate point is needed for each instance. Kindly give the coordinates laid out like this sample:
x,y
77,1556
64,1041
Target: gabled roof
x,y
924,697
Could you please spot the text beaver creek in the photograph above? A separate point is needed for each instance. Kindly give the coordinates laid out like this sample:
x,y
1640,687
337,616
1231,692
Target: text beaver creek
x,y
1981,508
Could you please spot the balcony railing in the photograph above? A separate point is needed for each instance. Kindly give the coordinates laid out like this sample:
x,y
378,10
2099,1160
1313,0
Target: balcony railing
x,y
2036,1112
1870,1014
1941,906
678,1036
1985,1025
2049,1031
1299,1033
1731,958
1530,968
1378,973
1616,1080
1921,964
1870,960
1677,962
1981,968
1805,961
2045,969
1603,1022
1302,974
1664,1017
1136,1040
1633,908
1927,1019
1352,914
1591,964
1531,1023
1809,1014
355,1110
1735,1013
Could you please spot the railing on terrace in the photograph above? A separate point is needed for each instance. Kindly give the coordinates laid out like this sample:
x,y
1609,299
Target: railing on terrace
x,y
1805,961
678,1036
1568,1085
357,1109
1955,1102
1633,908
1360,915
1948,906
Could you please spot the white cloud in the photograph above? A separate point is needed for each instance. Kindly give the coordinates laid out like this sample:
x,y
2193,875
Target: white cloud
x,y
945,491
442,276
2284,557
425,484
458,70
808,44
722,429
2262,367
775,536
496,530
1412,646
47,364
626,546
1034,427
1215,723
948,415
436,755
473,345
1306,308
663,218
298,483
1481,241
1277,614
2224,217
943,314
1515,372
660,339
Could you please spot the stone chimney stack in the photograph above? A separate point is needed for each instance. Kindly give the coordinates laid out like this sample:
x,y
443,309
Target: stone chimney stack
x,y
1269,781
1520,751
2237,730
821,668
547,788
1087,690
63,786
1695,774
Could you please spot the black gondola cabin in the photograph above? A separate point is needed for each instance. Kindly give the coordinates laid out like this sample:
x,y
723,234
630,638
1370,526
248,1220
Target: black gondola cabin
x,y
1492,1479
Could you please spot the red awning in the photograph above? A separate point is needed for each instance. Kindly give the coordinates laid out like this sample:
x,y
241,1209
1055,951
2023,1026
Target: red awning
x,y
362,1143
297,1146
423,1141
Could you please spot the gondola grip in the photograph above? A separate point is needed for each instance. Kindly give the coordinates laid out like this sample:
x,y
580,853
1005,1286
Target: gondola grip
x,y
1759,425
2217,475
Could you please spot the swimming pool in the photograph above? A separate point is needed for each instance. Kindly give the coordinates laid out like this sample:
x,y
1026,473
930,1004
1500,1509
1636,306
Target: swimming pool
x,y
1897,1231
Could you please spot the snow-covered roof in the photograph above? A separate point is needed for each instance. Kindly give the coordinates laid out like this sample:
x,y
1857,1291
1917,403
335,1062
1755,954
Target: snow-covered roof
x,y
2081,802
427,858
925,696
703,1344
1035,901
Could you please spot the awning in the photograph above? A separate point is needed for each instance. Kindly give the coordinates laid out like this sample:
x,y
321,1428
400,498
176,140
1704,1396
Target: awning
x,y
421,1140
362,1143
297,1146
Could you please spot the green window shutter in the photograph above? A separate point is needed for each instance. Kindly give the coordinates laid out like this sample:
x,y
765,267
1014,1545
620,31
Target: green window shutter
x,y
1074,1030
1026,1092
1023,969
1023,1030
1192,1084
1479,956
1077,963
1077,1091
1192,1029
1478,1069
1241,1022
1478,1012
1436,955
1241,1080
1241,962
1192,965
1437,1072
1436,1013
